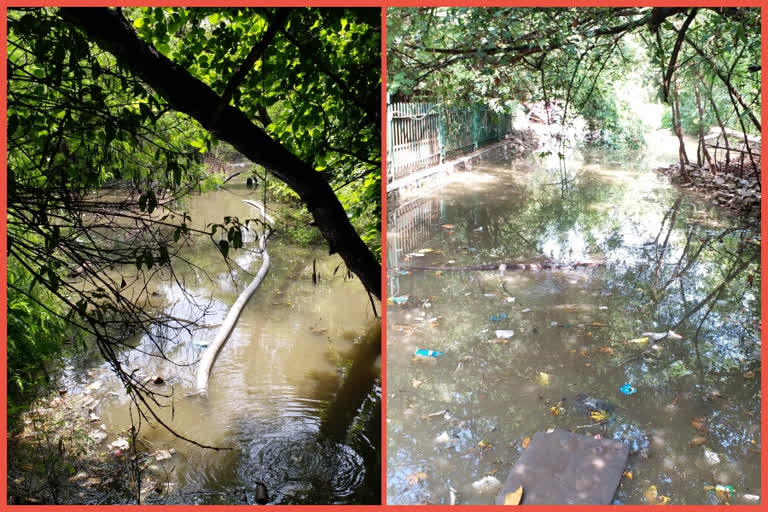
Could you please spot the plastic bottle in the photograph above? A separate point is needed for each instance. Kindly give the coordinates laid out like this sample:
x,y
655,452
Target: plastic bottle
x,y
429,353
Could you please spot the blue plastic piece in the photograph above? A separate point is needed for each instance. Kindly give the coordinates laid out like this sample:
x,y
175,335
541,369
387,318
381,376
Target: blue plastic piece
x,y
500,316
429,353
627,389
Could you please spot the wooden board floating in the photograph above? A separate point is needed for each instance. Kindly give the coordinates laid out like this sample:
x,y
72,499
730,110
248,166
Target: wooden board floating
x,y
563,468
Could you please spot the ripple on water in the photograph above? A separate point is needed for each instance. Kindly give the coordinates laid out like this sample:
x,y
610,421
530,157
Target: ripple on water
x,y
297,467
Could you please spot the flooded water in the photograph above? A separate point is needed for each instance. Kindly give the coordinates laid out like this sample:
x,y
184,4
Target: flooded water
x,y
456,418
294,395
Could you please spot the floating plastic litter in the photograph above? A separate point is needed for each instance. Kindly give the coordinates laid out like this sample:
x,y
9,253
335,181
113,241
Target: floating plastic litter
x,y
429,353
627,389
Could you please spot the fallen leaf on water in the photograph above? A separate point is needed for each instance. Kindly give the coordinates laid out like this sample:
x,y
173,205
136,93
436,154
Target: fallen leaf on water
x,y
639,340
628,474
556,409
583,353
414,478
663,500
525,442
606,350
587,364
416,383
598,415
425,251
698,441
749,375
493,471
484,444
699,424
438,274
448,226
514,498
543,379
598,324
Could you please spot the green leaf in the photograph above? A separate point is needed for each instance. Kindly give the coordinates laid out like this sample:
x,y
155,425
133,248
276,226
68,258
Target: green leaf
x,y
149,260
224,247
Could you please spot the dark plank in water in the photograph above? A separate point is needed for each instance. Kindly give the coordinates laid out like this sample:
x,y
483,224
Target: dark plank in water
x,y
563,468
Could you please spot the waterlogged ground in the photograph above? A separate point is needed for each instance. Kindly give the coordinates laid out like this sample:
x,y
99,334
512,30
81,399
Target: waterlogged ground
x,y
457,418
276,401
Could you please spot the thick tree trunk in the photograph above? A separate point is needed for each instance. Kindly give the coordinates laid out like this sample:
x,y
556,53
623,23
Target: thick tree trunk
x,y
185,93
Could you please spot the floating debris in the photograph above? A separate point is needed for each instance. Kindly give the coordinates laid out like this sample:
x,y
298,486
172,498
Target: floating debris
x,y
627,389
487,485
429,353
711,457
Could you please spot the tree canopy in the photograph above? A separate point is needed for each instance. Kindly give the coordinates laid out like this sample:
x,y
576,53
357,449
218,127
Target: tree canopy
x,y
110,112
500,56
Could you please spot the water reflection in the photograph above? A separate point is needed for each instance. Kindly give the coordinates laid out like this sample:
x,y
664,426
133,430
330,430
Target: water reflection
x,y
279,402
668,261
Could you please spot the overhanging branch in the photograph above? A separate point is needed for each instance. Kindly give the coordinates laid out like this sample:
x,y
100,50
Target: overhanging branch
x,y
185,93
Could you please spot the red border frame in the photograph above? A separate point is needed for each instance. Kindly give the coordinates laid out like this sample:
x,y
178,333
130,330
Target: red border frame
x,y
384,4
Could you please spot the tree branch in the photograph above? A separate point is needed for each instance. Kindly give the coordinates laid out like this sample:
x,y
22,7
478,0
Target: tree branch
x,y
275,24
676,51
187,94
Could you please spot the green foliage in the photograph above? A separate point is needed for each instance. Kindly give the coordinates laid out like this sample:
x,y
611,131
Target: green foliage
x,y
316,88
36,337
577,56
293,225
614,125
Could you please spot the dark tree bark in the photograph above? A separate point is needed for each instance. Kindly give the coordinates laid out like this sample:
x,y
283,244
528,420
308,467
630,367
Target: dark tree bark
x,y
675,52
185,93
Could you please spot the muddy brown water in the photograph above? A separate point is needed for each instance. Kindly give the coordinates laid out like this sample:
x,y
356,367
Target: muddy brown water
x,y
464,415
273,386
